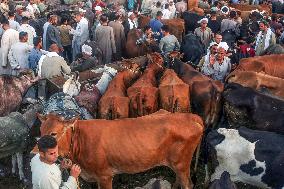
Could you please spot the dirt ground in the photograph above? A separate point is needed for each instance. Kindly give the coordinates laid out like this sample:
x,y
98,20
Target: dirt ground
x,y
123,181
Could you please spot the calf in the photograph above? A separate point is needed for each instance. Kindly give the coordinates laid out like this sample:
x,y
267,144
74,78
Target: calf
x,y
115,103
174,93
143,94
104,148
250,156
246,107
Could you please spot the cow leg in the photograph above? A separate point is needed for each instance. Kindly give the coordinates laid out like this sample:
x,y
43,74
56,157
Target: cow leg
x,y
182,177
20,166
105,182
14,163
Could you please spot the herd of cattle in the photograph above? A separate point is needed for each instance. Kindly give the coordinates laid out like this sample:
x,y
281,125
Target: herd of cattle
x,y
143,113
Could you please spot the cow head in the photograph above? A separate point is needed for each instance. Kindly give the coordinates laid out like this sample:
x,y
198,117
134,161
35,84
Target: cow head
x,y
156,61
60,129
72,86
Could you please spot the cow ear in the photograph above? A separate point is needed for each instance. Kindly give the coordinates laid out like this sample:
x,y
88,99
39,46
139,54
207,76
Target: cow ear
x,y
41,117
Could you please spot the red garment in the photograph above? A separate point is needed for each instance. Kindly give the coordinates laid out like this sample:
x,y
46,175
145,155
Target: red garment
x,y
101,4
247,49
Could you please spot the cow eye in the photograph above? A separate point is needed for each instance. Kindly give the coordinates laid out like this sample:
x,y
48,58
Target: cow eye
x,y
53,134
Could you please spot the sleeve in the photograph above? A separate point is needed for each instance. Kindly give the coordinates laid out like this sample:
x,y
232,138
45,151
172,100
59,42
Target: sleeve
x,y
4,50
177,45
79,30
65,68
161,44
112,41
12,60
201,62
207,69
49,183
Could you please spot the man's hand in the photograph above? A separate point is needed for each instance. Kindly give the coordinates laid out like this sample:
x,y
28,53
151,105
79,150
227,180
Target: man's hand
x,y
75,171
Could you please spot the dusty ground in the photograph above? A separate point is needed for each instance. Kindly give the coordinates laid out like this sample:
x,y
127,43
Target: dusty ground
x,y
123,181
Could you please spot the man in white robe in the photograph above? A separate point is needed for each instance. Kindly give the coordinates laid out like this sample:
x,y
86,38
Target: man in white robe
x,y
46,173
81,34
29,29
9,37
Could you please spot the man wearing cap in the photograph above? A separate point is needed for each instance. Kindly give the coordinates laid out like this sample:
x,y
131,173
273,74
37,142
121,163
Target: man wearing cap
x,y
203,32
98,13
29,29
265,38
105,40
218,67
9,37
85,61
80,34
19,53
130,23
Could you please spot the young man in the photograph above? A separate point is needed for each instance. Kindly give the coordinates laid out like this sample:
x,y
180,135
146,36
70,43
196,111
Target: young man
x,y
156,26
46,173
169,42
29,29
19,53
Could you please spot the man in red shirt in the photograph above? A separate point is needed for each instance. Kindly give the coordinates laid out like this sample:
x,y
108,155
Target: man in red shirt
x,y
99,3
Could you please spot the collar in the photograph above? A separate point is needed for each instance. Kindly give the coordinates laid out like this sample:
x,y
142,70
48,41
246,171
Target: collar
x,y
51,54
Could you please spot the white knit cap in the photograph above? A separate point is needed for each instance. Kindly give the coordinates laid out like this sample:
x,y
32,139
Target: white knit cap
x,y
98,8
225,10
87,49
202,20
223,45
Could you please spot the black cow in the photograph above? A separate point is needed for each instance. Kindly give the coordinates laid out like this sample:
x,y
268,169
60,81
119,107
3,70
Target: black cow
x,y
244,106
192,49
252,157
223,183
190,21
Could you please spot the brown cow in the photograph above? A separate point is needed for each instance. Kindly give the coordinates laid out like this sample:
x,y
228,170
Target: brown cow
x,y
270,64
192,5
258,81
242,7
205,93
143,94
104,148
114,103
13,90
176,25
174,93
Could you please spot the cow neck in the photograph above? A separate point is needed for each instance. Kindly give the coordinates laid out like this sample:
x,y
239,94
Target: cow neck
x,y
73,149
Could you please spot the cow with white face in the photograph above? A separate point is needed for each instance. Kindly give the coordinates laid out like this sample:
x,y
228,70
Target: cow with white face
x,y
249,156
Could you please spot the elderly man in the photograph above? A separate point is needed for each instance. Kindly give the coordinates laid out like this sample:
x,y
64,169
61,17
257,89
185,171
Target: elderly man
x,y
264,38
203,32
29,29
46,173
86,61
53,34
105,40
218,67
212,51
130,23
80,34
19,53
9,37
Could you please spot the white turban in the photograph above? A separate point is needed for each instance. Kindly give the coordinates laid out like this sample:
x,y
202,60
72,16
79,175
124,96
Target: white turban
x,y
202,20
223,45
129,14
87,49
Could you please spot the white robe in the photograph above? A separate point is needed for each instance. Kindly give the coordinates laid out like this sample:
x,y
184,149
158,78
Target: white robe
x,y
45,176
9,38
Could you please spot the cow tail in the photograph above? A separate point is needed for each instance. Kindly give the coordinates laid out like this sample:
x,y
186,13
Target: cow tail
x,y
171,103
139,111
213,104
